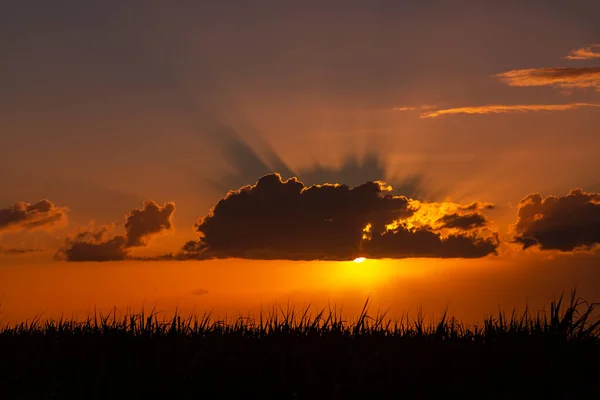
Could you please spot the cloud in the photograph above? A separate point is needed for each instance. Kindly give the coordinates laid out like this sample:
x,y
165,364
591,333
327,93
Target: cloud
x,y
467,221
150,220
426,243
140,226
25,216
502,109
585,53
561,77
559,223
284,219
478,205
17,251
414,108
199,292
94,246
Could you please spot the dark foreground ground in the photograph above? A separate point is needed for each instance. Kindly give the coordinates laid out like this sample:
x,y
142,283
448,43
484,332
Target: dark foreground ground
x,y
301,356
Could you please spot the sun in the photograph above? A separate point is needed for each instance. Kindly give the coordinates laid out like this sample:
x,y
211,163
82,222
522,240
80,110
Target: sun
x,y
359,259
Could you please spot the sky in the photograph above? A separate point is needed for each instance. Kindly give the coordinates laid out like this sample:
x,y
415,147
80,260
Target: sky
x,y
227,155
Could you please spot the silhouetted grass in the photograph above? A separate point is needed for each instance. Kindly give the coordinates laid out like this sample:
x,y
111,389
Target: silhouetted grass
x,y
290,354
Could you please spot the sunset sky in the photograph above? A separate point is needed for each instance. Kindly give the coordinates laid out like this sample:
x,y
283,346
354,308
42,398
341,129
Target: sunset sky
x,y
466,133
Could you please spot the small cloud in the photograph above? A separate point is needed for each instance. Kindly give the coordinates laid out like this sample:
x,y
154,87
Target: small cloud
x,y
414,108
150,220
465,222
17,251
94,246
565,223
24,216
478,205
141,225
590,52
199,292
560,77
503,109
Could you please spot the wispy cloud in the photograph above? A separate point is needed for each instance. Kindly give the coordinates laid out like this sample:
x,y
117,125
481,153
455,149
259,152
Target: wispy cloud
x,y
415,108
584,53
17,251
561,77
502,109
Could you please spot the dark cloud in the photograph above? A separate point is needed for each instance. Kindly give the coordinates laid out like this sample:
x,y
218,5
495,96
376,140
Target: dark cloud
x,y
559,223
140,226
25,216
276,217
150,220
94,246
465,221
284,219
422,242
477,205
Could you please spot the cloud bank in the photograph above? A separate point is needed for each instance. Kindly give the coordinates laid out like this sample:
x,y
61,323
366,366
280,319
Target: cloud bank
x,y
560,77
591,52
503,109
25,216
140,226
284,219
559,223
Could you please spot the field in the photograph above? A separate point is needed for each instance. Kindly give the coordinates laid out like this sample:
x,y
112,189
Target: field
x,y
306,354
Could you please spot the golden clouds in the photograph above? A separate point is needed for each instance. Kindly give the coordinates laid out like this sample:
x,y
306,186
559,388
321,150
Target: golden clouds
x,y
590,52
560,77
414,108
564,78
446,218
506,108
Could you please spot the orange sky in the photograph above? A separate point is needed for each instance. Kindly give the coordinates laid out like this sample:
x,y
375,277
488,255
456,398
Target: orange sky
x,y
471,289
105,107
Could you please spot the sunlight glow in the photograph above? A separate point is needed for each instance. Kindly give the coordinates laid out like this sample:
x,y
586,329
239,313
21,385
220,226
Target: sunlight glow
x,y
359,259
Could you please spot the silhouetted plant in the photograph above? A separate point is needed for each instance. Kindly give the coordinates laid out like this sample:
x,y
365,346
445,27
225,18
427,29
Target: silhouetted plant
x,y
307,353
